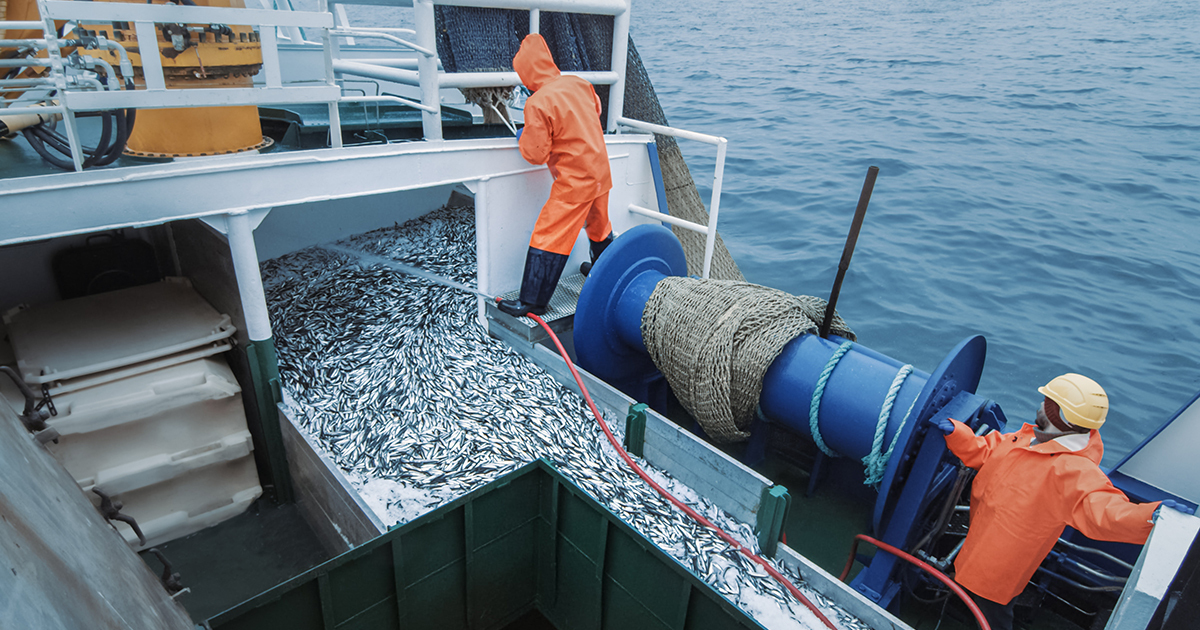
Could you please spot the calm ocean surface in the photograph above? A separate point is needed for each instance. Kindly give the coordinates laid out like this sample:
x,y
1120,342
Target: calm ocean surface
x,y
1039,177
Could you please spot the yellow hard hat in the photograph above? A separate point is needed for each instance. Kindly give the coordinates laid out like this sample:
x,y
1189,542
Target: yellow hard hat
x,y
1081,400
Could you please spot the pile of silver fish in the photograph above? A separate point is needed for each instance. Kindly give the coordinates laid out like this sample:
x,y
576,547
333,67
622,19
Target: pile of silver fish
x,y
395,377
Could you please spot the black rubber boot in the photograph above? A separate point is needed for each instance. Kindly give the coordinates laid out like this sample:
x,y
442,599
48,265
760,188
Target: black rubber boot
x,y
542,271
598,248
517,308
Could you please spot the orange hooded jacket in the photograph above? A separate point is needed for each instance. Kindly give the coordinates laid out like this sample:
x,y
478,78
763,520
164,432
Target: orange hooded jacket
x,y
1022,499
562,128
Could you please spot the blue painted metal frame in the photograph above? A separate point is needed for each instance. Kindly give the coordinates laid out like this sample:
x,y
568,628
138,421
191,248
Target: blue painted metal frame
x,y
609,344
660,189
1150,438
643,255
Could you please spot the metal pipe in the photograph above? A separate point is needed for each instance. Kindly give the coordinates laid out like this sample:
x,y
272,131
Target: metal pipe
x,y
14,25
666,218
535,21
95,83
31,82
714,207
371,34
22,43
669,131
385,99
507,79
859,213
399,74
249,280
395,75
620,56
431,122
23,63
1091,571
329,50
390,62
126,65
1106,556
598,7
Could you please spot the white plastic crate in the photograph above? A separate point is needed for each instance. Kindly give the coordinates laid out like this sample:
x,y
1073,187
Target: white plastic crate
x,y
146,412
84,336
148,428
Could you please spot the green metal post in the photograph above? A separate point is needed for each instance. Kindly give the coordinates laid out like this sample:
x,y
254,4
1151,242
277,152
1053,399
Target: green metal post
x,y
635,429
264,371
772,514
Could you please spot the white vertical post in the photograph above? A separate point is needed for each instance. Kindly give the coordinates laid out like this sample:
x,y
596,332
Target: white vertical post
x,y
483,267
59,76
249,280
330,44
431,122
535,21
620,51
340,17
272,75
148,49
714,206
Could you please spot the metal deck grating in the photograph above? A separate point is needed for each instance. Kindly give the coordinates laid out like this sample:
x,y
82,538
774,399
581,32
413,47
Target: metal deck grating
x,y
560,315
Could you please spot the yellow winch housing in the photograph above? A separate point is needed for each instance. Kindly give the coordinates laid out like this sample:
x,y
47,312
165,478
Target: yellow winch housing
x,y
194,56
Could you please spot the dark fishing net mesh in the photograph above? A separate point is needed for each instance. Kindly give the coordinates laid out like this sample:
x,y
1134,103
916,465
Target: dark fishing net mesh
x,y
479,40
713,340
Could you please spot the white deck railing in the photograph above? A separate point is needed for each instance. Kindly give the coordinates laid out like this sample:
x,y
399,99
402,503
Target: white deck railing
x,y
710,230
78,93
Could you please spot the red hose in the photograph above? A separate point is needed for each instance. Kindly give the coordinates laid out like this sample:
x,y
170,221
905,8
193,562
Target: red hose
x,y
676,502
983,624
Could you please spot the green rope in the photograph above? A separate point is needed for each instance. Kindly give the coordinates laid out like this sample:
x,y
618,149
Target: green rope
x,y
815,406
876,461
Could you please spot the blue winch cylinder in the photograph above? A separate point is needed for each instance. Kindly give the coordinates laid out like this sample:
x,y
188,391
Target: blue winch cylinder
x,y
854,395
609,330
853,382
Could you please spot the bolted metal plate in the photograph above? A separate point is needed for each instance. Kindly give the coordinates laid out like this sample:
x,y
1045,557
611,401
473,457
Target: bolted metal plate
x,y
560,315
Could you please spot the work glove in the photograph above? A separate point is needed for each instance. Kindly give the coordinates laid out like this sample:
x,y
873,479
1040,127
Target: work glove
x,y
519,132
943,424
1176,505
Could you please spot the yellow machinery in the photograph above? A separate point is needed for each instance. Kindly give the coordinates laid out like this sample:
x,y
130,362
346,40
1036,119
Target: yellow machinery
x,y
197,56
192,56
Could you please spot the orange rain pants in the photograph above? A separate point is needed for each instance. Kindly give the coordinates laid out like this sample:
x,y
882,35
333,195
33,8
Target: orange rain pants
x,y
1023,498
562,129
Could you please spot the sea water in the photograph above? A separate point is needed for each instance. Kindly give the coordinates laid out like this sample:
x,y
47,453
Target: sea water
x,y
1039,177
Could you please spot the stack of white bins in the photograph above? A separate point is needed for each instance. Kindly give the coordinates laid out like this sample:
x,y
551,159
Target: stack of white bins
x,y
148,410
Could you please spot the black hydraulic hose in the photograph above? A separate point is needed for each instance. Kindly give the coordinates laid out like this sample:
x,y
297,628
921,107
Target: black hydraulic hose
x,y
30,398
38,144
43,135
106,151
859,213
124,128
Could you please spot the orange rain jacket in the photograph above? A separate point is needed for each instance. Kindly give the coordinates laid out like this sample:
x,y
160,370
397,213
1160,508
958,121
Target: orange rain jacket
x,y
562,127
1022,499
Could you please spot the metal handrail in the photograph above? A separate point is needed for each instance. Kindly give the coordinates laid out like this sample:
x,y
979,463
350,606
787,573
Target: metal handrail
x,y
155,94
714,206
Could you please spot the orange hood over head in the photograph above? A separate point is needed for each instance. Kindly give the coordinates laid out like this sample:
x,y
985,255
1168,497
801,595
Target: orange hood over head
x,y
534,63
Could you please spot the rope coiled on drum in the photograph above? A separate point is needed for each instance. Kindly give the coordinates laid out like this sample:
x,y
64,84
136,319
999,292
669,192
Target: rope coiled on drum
x,y
713,340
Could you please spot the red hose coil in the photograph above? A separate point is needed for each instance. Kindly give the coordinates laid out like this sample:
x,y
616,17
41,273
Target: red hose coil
x,y
958,590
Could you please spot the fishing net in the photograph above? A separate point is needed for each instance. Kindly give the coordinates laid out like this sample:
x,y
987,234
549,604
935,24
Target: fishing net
x,y
493,101
714,340
480,40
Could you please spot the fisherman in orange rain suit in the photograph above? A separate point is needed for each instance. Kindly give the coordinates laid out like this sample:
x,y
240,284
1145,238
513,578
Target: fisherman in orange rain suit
x,y
562,127
1033,483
